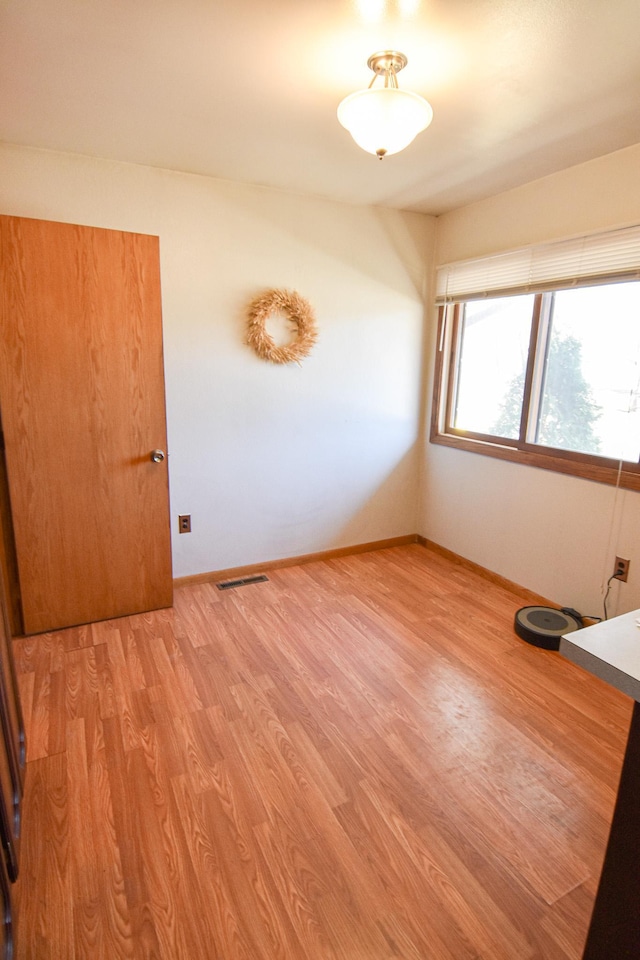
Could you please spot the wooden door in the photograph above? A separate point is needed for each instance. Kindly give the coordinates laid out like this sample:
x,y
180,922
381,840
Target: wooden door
x,y
82,399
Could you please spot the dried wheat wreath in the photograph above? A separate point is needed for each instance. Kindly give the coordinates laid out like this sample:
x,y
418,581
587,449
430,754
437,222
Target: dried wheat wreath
x,y
299,312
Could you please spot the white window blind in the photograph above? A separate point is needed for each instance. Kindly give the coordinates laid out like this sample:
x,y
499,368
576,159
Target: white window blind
x,y
600,257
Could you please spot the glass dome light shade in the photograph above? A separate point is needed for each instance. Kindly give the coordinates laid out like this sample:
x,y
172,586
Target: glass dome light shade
x,y
384,120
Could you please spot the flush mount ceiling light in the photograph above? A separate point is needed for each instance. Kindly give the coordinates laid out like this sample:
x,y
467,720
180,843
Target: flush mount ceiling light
x,y
384,119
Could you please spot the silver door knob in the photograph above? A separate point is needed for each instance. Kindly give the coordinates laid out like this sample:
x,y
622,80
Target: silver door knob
x,y
157,456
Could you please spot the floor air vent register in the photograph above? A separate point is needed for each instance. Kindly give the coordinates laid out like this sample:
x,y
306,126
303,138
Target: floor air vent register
x,y
241,582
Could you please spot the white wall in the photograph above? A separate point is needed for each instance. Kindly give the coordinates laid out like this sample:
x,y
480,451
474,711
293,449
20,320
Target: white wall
x,y
270,461
554,534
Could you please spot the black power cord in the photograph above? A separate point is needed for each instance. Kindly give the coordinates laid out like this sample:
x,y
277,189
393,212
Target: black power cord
x,y
578,616
604,602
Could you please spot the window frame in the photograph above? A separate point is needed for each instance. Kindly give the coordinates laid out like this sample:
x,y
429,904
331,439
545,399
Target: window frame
x,y
625,474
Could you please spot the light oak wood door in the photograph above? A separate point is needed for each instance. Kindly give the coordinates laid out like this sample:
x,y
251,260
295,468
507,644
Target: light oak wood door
x,y
82,399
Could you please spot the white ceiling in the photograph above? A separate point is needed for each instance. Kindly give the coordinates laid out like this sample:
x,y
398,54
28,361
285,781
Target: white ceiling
x,y
248,89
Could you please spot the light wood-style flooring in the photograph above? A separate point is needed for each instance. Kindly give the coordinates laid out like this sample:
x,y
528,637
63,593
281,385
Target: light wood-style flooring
x,y
357,760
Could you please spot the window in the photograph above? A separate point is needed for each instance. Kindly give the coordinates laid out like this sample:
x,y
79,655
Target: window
x,y
548,377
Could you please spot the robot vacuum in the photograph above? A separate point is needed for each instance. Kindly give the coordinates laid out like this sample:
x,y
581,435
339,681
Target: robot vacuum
x,y
544,626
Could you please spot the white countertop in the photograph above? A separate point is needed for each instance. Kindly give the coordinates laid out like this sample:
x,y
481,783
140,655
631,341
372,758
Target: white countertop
x,y
610,650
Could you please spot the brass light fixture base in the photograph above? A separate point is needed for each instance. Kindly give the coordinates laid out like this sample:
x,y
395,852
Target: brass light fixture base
x,y
386,62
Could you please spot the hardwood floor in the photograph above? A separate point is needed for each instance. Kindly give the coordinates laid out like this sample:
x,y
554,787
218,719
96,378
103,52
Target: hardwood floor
x,y
356,760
